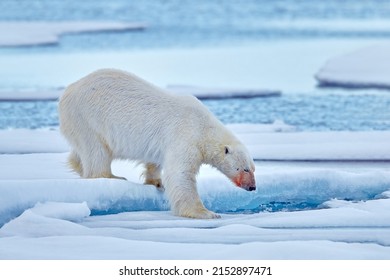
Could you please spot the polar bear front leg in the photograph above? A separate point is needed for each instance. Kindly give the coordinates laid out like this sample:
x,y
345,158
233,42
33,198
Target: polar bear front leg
x,y
180,187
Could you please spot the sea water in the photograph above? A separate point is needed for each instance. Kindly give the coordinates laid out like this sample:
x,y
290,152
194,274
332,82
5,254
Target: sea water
x,y
306,112
187,23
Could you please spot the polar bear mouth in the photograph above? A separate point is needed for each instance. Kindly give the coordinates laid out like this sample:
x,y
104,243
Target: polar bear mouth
x,y
245,180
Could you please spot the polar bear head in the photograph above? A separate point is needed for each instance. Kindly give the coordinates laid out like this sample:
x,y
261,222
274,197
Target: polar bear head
x,y
237,164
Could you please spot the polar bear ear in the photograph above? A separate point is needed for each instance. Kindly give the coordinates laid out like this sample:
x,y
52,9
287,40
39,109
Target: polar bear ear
x,y
227,150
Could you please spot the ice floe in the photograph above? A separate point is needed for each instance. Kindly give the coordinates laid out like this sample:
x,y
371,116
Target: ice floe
x,y
363,68
36,236
300,210
43,33
276,141
217,93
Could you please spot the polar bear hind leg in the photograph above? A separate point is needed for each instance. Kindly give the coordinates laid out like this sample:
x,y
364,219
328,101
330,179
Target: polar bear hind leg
x,y
92,158
152,175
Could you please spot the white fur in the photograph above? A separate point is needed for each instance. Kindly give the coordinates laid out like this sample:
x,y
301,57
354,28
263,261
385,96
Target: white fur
x,y
113,114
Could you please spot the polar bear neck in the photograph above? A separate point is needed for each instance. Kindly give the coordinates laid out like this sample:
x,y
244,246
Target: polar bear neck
x,y
216,137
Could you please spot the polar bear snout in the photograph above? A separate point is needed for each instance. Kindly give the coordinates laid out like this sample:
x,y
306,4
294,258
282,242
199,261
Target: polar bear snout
x,y
246,180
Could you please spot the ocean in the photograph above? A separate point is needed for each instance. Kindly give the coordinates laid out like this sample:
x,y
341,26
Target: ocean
x,y
191,24
196,25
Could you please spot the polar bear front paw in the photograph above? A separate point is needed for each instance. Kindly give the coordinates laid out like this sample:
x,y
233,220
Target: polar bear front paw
x,y
117,177
210,215
201,214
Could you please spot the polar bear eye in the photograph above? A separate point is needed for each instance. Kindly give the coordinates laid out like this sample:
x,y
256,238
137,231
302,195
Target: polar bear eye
x,y
226,150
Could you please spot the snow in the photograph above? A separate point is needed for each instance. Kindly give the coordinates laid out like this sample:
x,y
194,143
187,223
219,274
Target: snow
x,y
43,33
328,145
362,68
31,141
34,236
47,212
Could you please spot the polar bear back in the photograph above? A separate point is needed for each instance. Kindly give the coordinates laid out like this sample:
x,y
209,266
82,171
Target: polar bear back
x,y
137,120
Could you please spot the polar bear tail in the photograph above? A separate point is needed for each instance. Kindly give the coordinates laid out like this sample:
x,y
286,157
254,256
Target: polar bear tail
x,y
74,162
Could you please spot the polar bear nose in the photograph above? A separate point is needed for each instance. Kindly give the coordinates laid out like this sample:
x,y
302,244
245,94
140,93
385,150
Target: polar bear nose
x,y
245,180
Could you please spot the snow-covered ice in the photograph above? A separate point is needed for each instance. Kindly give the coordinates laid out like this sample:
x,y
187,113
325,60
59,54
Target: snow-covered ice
x,y
42,33
218,93
362,68
276,141
332,145
157,235
30,95
31,141
47,212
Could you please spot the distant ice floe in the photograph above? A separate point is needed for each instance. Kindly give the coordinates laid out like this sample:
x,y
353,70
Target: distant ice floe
x,y
18,34
199,92
30,95
250,128
364,68
217,93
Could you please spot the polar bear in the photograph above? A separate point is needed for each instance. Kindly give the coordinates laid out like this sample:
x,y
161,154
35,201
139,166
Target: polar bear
x,y
111,114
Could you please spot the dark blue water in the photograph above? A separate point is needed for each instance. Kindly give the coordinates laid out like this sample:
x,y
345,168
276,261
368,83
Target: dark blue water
x,y
188,23
311,112
314,112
